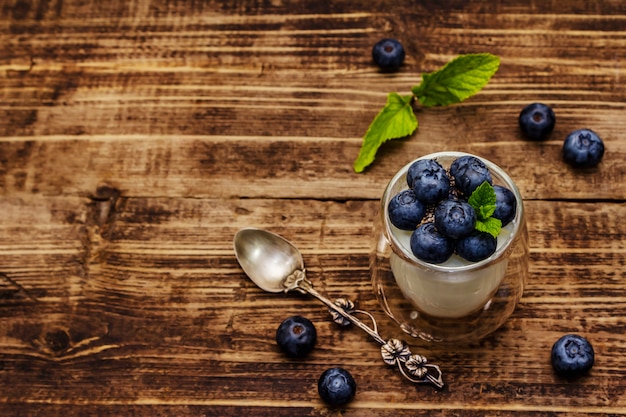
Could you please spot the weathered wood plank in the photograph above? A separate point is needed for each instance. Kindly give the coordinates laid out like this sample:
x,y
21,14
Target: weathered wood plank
x,y
289,167
144,103
158,309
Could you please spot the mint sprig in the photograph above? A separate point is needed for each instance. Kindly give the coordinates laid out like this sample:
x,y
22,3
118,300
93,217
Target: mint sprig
x,y
456,81
483,200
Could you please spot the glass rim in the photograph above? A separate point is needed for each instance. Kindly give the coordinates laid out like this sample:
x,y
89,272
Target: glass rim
x,y
500,174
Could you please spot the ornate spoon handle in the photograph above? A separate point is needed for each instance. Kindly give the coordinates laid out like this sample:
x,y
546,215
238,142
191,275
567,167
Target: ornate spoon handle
x,y
393,351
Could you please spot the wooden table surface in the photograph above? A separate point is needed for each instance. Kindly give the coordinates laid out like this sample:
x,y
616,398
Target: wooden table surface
x,y
137,137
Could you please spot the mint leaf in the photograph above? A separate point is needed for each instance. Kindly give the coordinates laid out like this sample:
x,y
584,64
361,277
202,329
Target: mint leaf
x,y
395,120
490,225
458,80
486,211
483,200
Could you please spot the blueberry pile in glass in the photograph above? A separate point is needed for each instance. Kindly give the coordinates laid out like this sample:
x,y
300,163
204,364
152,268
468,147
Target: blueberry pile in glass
x,y
435,208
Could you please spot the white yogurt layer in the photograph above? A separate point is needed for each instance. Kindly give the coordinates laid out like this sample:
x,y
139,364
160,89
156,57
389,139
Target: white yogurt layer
x,y
452,289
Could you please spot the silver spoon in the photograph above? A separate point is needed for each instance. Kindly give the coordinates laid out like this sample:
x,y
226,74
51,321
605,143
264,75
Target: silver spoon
x,y
275,265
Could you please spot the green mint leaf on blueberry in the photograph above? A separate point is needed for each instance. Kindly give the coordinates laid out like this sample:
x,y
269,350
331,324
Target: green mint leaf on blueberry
x,y
483,200
456,81
395,120
490,225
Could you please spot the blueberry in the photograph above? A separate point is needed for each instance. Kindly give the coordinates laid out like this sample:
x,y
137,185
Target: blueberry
x,y
459,164
388,54
572,356
470,175
506,204
405,210
429,180
431,246
583,148
455,219
537,121
336,386
476,247
296,336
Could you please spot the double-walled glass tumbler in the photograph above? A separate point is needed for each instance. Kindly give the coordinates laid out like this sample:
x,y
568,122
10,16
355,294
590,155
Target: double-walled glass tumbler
x,y
457,300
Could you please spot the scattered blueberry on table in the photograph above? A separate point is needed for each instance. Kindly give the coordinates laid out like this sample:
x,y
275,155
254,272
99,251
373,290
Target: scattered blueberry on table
x,y
572,356
336,387
537,121
388,54
583,148
296,336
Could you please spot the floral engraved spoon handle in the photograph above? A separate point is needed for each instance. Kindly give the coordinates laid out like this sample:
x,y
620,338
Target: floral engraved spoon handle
x,y
394,352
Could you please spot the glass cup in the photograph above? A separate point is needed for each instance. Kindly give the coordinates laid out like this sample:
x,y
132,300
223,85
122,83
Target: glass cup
x,y
457,301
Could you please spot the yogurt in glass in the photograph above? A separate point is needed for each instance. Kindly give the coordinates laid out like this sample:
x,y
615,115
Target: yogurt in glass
x,y
457,299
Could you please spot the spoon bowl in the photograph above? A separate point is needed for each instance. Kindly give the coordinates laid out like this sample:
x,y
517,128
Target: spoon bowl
x,y
266,258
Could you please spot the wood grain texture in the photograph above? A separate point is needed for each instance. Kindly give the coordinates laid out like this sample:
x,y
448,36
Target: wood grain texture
x,y
151,309
137,137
